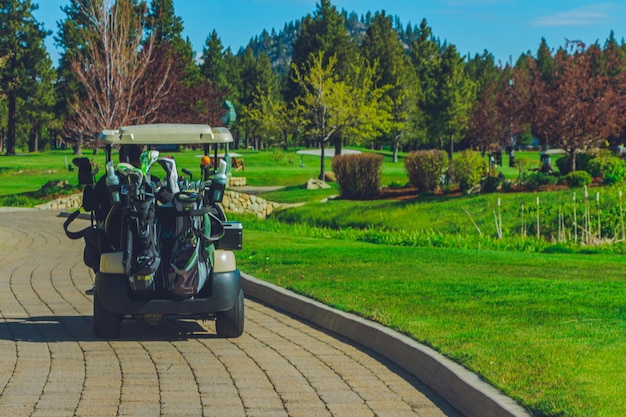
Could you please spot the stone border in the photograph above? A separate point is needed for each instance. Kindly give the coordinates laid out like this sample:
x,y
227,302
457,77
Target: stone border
x,y
234,202
463,389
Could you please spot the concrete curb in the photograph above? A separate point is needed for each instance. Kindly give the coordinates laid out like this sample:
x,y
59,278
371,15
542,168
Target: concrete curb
x,y
461,388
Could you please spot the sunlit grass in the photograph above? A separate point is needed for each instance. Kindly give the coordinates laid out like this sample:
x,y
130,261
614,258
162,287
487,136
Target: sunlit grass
x,y
548,330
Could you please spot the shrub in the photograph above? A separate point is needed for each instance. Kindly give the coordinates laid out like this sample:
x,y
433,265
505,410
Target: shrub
x,y
582,162
534,180
468,168
277,155
523,165
491,184
358,176
578,179
608,167
15,201
611,179
425,168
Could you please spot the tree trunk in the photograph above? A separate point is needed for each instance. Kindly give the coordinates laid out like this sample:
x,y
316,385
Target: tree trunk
x,y
33,139
572,161
337,141
396,145
451,146
322,168
78,147
10,140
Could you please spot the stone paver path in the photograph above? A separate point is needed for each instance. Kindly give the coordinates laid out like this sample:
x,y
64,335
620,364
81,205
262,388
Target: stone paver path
x,y
51,365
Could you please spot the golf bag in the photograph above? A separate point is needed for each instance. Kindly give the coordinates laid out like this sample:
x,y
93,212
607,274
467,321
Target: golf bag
x,y
190,255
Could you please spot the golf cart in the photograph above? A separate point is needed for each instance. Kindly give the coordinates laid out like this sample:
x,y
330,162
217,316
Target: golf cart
x,y
169,245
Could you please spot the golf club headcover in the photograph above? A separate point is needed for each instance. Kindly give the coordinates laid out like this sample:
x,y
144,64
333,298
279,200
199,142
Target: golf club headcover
x,y
85,171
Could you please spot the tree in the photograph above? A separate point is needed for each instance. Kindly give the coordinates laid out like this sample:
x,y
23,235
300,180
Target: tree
x,y
38,108
575,109
545,61
331,107
254,74
325,32
382,48
70,40
489,121
266,116
426,59
111,65
454,96
167,29
213,65
26,63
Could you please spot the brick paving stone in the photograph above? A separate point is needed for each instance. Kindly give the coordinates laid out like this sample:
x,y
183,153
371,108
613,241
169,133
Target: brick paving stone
x,y
53,366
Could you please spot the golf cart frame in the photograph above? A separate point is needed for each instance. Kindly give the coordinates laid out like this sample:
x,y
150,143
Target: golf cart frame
x,y
119,292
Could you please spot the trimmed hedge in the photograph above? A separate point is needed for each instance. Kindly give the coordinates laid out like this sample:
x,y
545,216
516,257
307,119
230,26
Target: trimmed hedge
x,y
425,168
358,176
578,179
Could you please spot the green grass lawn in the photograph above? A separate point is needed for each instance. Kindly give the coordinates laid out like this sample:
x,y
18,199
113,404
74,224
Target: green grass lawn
x,y
548,330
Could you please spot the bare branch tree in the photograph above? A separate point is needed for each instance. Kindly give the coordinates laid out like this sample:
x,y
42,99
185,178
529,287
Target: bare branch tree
x,y
115,66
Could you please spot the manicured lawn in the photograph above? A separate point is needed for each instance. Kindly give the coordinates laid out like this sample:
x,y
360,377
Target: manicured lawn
x,y
548,330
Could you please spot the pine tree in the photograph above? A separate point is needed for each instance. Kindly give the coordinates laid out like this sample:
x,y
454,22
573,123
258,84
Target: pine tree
x,y
456,95
325,32
426,59
27,61
382,47
70,40
254,75
167,29
214,67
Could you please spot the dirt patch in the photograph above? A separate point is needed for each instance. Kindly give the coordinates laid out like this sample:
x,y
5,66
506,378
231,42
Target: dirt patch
x,y
397,193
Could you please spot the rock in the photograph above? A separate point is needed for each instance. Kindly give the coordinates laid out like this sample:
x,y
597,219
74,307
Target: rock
x,y
316,184
55,184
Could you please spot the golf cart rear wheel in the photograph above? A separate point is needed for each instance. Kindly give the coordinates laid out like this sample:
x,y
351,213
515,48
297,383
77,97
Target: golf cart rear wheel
x,y
229,323
106,324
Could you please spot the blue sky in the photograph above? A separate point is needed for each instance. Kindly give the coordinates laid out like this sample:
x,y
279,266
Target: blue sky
x,y
503,27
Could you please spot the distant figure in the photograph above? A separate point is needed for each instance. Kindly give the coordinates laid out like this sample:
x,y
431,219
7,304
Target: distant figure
x,y
546,163
301,163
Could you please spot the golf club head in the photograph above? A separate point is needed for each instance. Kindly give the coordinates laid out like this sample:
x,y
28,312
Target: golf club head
x,y
123,168
169,165
147,159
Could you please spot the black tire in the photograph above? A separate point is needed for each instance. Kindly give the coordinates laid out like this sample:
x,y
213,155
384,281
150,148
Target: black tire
x,y
229,323
106,324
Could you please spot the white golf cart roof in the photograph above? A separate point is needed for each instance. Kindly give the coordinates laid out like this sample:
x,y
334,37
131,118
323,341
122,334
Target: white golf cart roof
x,y
166,134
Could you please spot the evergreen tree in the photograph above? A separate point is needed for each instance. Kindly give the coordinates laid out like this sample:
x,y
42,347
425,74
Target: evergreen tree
x,y
325,32
37,114
213,65
70,40
254,75
426,59
27,66
456,94
167,29
545,61
382,47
